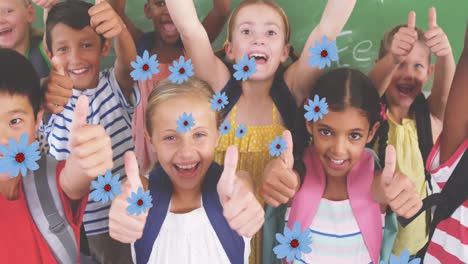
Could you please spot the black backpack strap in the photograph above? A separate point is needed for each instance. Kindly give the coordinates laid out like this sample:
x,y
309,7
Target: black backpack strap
x,y
38,58
454,193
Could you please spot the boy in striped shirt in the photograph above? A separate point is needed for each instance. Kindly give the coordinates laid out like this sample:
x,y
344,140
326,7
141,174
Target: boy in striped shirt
x,y
78,35
449,243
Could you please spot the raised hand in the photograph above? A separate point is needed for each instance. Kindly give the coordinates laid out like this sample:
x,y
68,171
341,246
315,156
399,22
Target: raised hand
x,y
241,209
400,192
436,39
124,227
279,181
90,146
58,88
46,4
404,40
105,20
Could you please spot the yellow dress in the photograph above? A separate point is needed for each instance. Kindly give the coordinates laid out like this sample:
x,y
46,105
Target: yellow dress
x,y
404,137
253,157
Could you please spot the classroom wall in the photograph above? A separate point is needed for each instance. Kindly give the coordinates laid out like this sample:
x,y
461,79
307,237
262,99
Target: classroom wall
x,y
359,42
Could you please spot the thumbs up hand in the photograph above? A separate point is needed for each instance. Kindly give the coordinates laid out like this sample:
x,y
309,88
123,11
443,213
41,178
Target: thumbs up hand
x,y
279,181
404,40
125,227
436,39
90,146
105,20
399,191
58,88
241,209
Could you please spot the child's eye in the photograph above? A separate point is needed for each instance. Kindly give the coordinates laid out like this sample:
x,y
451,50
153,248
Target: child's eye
x,y
325,132
160,3
87,45
245,31
271,33
355,136
419,66
199,135
62,49
16,121
169,138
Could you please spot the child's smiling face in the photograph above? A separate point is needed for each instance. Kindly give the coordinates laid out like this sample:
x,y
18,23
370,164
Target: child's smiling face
x,y
410,76
340,139
185,157
79,52
259,31
15,19
16,117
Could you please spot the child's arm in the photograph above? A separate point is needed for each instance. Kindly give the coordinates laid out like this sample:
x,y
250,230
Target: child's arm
x,y
402,44
392,188
108,23
280,182
207,66
236,192
214,21
300,75
90,154
124,227
455,129
439,44
119,7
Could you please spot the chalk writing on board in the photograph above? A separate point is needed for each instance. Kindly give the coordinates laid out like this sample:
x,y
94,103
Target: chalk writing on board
x,y
360,52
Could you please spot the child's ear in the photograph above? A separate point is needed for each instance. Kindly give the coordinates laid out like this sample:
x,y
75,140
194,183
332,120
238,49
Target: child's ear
x,y
285,54
30,14
309,127
106,47
147,11
38,119
372,132
430,70
228,50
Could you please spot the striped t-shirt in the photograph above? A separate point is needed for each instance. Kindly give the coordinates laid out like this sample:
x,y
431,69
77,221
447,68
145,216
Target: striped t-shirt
x,y
108,108
336,237
449,244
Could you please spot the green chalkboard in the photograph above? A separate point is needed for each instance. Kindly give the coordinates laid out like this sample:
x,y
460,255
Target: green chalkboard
x,y
359,42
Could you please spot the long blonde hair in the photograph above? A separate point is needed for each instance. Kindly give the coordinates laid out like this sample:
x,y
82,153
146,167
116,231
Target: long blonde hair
x,y
167,90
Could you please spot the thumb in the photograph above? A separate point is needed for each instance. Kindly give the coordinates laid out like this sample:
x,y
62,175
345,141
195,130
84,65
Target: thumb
x,y
390,165
97,2
226,182
132,171
287,155
80,113
432,18
412,20
57,66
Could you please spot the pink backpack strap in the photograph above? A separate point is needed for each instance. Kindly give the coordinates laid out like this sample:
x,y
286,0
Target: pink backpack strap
x,y
310,193
366,210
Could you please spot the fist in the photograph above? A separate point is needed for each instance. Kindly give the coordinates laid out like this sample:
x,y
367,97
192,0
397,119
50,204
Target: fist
x,y
58,88
279,181
436,39
404,40
105,20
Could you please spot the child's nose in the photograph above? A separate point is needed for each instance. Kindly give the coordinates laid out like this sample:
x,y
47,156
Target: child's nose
x,y
339,147
186,148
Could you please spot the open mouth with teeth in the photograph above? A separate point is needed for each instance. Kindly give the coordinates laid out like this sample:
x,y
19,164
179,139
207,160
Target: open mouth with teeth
x,y
337,164
5,31
79,71
405,88
260,58
187,170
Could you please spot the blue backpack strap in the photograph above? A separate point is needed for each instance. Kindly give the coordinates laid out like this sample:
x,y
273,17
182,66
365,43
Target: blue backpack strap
x,y
161,190
232,243
145,43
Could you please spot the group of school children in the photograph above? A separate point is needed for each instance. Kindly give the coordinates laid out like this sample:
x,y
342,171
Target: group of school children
x,y
292,163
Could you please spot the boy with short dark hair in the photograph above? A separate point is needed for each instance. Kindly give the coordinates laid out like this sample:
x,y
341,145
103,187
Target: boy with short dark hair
x,y
78,35
29,232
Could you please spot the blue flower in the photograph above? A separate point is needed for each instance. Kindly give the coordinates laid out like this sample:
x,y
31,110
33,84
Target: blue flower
x,y
404,259
323,53
219,101
241,131
19,156
181,70
316,108
277,146
106,187
139,202
225,127
245,68
144,67
185,123
293,243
